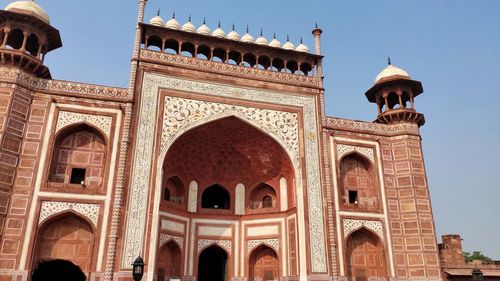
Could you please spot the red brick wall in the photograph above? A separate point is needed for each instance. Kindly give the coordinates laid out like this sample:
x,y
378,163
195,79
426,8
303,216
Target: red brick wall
x,y
410,216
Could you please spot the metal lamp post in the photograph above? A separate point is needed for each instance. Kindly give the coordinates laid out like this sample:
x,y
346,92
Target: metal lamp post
x,y
138,269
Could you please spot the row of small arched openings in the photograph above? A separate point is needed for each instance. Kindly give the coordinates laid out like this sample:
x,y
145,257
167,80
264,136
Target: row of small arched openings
x,y
216,196
233,57
395,100
17,39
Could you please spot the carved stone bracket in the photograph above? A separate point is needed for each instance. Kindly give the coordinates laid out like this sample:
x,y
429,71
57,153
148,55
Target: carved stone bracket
x,y
205,243
352,225
66,118
272,243
344,149
50,208
165,238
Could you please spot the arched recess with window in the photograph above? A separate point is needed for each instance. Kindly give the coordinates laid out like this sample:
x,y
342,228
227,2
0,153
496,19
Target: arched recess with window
x,y
78,161
169,262
358,183
216,197
174,191
263,264
69,237
365,256
263,196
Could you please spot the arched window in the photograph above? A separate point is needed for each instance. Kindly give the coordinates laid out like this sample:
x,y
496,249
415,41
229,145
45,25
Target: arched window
x,y
154,43
262,196
32,45
187,49
171,46
79,157
215,197
393,100
365,256
174,190
212,264
15,40
357,183
267,202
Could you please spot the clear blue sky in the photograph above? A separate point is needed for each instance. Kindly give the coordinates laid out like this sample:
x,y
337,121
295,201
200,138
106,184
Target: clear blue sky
x,y
453,47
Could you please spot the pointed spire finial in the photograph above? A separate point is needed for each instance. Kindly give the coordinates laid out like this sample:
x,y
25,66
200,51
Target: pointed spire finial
x,y
389,60
204,20
218,24
261,32
233,26
274,35
287,38
189,19
158,14
316,25
247,28
173,15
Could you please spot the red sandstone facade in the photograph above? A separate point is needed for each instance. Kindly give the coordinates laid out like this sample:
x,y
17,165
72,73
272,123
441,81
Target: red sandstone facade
x,y
217,163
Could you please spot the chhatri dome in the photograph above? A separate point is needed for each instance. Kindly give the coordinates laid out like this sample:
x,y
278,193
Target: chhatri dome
x,y
261,40
28,7
189,26
233,35
157,20
247,38
173,23
204,29
391,72
275,43
302,47
288,45
219,32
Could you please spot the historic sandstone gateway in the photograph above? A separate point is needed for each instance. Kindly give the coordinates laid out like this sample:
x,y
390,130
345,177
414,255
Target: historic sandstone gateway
x,y
217,163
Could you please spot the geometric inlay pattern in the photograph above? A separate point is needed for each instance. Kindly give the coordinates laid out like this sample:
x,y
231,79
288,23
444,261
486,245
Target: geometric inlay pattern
x,y
205,243
165,238
273,243
352,225
343,149
49,208
67,118
180,112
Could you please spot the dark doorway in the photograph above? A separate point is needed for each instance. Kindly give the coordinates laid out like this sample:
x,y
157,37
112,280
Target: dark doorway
x,y
212,264
215,197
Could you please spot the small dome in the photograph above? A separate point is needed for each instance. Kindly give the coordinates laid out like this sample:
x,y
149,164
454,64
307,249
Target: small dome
x,y
288,45
391,71
233,35
275,43
157,20
218,32
30,7
173,23
203,29
261,40
247,38
301,47
189,26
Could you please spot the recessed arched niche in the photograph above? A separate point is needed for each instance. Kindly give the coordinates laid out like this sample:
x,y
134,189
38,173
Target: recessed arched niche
x,y
232,166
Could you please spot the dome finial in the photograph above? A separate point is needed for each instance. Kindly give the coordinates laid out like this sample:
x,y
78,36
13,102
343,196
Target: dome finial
x,y
274,35
189,19
301,40
173,15
316,25
388,60
261,32
218,24
158,14
247,28
233,26
287,38
204,20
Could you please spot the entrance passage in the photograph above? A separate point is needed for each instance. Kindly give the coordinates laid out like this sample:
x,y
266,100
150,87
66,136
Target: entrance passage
x,y
212,264
365,256
263,264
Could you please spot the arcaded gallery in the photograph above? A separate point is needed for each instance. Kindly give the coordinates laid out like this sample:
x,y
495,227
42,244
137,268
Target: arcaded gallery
x,y
217,163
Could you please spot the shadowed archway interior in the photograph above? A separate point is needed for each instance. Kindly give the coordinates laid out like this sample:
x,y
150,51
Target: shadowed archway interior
x,y
212,264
